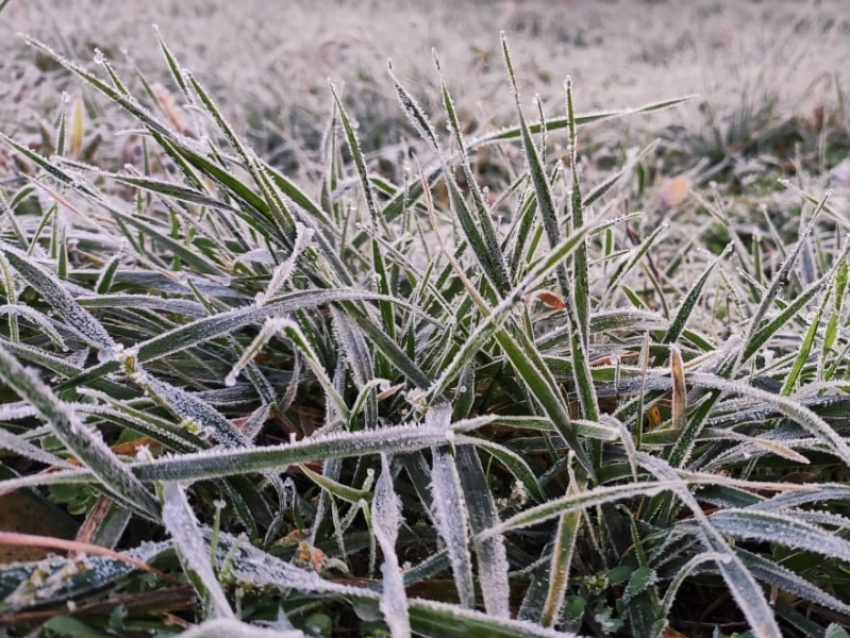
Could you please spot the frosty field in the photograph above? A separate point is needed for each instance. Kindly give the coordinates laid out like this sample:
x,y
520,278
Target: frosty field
x,y
539,329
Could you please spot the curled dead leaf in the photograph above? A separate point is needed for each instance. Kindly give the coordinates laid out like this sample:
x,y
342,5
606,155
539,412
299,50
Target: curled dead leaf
x,y
547,298
386,394
25,512
680,390
674,191
653,416
171,109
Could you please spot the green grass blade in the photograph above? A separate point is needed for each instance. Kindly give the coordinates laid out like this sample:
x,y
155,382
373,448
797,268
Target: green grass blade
x,y
386,519
440,620
495,258
219,325
581,290
578,502
378,266
451,517
173,65
805,349
781,276
181,524
478,230
220,463
76,317
781,528
87,445
115,95
562,556
491,556
740,581
790,312
689,302
542,187
775,575
515,132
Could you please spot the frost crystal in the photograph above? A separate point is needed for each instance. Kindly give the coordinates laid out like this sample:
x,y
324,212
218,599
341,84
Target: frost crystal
x,y
181,523
110,354
450,515
387,519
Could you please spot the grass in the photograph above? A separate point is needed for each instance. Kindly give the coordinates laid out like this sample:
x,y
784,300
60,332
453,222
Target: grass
x,y
619,52
476,394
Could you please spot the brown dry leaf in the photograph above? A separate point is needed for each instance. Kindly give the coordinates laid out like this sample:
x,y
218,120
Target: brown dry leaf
x,y
800,478
77,129
176,621
173,598
88,530
386,394
674,191
680,390
16,539
129,448
308,556
293,538
653,416
169,106
24,513
547,298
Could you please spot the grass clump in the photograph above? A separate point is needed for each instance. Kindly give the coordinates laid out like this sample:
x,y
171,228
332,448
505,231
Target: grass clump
x,y
420,406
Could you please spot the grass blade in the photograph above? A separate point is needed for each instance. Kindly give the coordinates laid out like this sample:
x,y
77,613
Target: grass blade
x,y
87,445
180,521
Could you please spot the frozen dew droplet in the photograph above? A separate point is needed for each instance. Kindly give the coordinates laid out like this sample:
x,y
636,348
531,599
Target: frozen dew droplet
x,y
109,354
99,58
230,380
191,426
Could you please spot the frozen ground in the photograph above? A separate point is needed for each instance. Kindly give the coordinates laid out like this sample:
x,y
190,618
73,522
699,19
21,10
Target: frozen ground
x,y
268,62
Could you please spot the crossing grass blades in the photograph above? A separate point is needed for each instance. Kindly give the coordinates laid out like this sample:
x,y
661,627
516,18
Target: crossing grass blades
x,y
427,407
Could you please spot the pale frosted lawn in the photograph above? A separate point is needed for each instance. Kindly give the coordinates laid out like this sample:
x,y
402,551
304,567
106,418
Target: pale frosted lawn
x,y
268,61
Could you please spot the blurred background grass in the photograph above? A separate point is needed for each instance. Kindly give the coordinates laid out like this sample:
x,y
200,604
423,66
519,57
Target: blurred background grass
x,y
754,64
